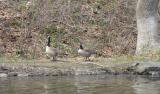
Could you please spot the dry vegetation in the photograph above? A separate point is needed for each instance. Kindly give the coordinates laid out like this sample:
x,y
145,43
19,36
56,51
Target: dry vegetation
x,y
108,26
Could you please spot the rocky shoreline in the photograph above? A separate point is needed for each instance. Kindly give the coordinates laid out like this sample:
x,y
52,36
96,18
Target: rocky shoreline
x,y
82,68
54,70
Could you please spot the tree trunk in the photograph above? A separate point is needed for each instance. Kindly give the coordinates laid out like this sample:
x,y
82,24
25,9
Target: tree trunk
x,y
148,27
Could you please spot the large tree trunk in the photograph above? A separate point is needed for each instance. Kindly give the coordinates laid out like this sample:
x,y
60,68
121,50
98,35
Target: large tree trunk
x,y
148,28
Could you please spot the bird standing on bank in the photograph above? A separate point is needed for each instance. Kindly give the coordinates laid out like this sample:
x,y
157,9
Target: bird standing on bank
x,y
85,52
51,51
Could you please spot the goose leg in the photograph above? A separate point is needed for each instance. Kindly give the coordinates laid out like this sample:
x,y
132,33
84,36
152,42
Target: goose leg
x,y
54,58
89,59
85,58
47,56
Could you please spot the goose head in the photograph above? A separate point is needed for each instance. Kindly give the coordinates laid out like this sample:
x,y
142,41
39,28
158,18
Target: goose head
x,y
80,46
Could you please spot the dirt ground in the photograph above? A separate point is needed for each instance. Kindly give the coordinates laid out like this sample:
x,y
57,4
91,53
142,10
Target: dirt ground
x,y
65,64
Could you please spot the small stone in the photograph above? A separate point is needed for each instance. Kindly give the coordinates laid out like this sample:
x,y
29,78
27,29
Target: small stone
x,y
22,75
154,74
3,75
11,74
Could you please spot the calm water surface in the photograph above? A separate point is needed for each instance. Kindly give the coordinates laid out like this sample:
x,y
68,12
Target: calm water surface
x,y
100,84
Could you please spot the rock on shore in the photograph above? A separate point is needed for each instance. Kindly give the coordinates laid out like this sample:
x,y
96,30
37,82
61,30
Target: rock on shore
x,y
145,68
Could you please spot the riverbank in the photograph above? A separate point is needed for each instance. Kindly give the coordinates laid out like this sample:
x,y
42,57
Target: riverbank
x,y
76,66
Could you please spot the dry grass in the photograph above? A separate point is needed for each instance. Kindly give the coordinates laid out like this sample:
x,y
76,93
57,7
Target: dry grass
x,y
108,26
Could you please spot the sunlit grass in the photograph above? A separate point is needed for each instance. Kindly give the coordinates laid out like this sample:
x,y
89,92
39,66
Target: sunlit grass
x,y
115,60
115,63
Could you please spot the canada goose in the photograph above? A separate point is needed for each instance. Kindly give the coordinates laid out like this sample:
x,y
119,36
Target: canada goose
x,y
51,51
85,52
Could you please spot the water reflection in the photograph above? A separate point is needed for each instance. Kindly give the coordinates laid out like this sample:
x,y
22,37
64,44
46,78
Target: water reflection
x,y
103,85
147,86
100,84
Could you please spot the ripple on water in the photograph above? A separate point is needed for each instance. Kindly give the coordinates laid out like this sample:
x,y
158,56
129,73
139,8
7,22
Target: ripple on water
x,y
94,84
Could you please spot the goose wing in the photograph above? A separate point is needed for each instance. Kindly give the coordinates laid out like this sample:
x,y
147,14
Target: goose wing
x,y
90,51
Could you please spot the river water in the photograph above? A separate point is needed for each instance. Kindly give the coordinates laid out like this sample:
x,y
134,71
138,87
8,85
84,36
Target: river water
x,y
99,84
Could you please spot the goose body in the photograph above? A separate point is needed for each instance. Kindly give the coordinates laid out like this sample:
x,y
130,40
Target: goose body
x,y
51,51
85,52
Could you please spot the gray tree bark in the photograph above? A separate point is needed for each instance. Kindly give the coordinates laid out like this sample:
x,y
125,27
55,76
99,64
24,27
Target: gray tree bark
x,y
148,39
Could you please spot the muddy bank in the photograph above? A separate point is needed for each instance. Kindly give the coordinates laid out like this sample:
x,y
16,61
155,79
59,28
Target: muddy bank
x,y
78,68
49,69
